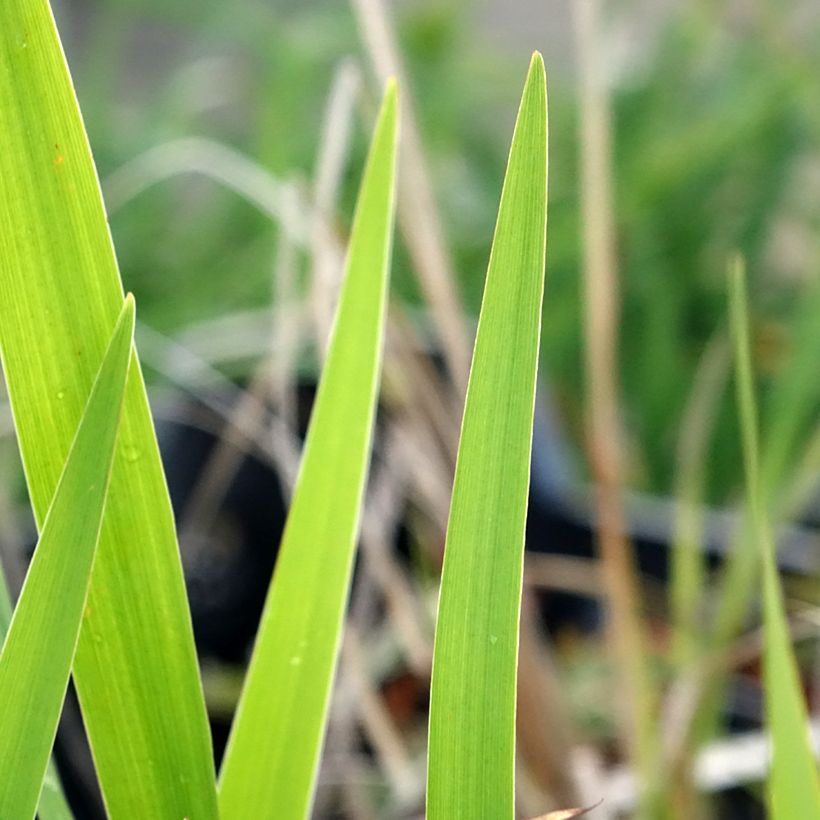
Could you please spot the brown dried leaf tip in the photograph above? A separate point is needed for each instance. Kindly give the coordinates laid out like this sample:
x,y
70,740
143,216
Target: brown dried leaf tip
x,y
567,814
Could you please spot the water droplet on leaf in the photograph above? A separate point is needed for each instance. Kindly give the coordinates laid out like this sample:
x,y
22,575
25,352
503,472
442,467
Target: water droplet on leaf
x,y
131,453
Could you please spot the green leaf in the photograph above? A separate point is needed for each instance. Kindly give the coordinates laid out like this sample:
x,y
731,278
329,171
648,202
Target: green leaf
x,y
688,562
472,709
60,294
36,659
794,789
53,804
272,757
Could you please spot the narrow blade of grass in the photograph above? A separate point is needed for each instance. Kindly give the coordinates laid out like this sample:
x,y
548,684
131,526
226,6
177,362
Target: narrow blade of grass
x,y
688,565
794,789
53,804
472,708
60,294
791,401
272,756
36,659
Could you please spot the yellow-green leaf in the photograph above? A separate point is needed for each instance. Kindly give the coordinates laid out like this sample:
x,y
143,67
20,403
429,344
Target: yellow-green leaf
x,y
36,659
272,756
53,804
60,294
794,788
472,709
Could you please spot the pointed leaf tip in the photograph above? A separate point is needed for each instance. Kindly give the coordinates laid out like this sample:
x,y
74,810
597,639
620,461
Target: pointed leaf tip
x,y
390,99
271,762
141,694
129,308
535,86
38,653
472,702
124,326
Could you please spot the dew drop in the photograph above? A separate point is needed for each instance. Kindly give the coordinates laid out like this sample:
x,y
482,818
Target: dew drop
x,y
61,394
132,453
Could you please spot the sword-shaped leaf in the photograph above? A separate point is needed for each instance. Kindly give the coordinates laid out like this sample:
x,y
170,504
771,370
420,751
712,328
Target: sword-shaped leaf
x,y
53,804
273,753
794,789
39,648
60,294
472,708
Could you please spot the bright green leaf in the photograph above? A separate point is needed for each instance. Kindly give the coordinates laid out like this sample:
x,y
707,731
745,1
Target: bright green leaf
x,y
60,293
273,753
794,789
53,804
472,710
36,659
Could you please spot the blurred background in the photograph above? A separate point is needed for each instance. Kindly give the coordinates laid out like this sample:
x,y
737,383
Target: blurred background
x,y
229,139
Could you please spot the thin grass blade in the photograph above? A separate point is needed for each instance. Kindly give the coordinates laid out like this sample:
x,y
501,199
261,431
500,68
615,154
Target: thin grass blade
x,y
791,401
688,562
53,804
472,709
38,651
272,756
135,667
794,788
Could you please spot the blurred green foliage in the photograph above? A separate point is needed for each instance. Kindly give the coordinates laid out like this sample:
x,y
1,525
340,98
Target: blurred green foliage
x,y
716,124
